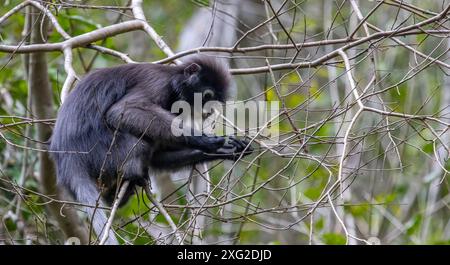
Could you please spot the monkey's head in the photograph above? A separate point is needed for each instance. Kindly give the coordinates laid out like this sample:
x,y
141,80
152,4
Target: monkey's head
x,y
204,76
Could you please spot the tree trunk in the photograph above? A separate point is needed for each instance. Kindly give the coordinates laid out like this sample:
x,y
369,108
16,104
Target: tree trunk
x,y
42,108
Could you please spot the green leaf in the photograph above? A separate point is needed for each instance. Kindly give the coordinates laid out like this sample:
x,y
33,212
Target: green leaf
x,y
333,239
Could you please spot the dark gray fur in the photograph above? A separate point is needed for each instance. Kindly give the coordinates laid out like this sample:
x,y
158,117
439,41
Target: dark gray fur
x,y
118,120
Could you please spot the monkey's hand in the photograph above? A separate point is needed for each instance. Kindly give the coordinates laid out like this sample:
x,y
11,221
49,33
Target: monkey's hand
x,y
208,144
233,149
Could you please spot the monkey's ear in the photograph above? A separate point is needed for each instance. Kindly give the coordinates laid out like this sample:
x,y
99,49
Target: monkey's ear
x,y
191,69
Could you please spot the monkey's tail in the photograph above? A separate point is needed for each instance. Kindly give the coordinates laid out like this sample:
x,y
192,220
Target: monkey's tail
x,y
87,193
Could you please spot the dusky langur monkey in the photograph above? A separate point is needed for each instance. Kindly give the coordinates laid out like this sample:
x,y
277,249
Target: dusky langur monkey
x,y
116,125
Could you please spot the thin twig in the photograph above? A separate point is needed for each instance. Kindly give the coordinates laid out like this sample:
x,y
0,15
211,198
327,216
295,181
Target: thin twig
x,y
117,201
164,213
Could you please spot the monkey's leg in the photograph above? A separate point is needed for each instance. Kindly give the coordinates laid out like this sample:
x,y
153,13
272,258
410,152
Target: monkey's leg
x,y
110,195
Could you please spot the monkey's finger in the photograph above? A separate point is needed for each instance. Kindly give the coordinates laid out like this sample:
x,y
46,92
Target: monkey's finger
x,y
246,150
247,141
249,150
215,142
228,146
238,143
249,146
228,152
245,145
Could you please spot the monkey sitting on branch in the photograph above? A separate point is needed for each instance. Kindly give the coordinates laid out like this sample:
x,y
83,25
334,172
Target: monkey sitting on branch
x,y
116,125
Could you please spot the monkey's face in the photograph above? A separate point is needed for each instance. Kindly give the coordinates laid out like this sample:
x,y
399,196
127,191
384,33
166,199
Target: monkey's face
x,y
203,83
204,98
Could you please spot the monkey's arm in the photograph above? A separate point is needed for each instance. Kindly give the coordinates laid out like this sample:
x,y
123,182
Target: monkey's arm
x,y
178,158
231,150
141,118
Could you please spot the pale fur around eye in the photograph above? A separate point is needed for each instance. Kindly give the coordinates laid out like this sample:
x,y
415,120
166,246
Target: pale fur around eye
x,y
208,94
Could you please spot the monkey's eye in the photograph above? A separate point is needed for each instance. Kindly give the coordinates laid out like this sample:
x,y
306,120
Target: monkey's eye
x,y
208,94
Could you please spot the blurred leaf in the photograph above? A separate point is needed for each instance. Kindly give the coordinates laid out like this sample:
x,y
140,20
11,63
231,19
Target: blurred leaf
x,y
333,239
414,224
428,148
357,210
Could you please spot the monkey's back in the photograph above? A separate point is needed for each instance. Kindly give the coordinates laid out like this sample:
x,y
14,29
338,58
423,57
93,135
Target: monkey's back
x,y
82,139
